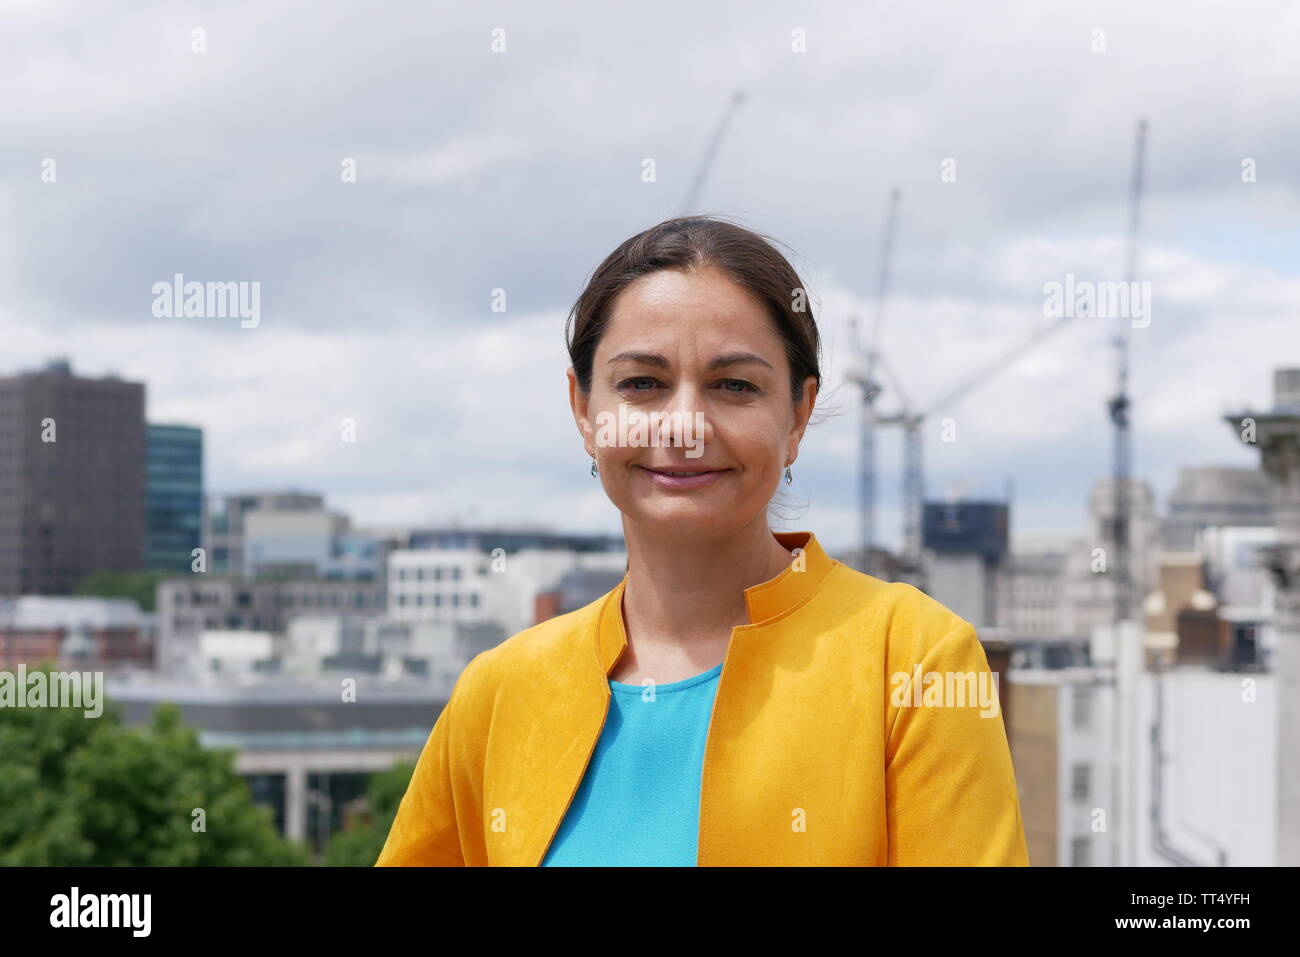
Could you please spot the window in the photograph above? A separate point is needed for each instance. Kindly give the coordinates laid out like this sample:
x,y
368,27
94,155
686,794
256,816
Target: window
x,y
1080,852
1082,707
1080,781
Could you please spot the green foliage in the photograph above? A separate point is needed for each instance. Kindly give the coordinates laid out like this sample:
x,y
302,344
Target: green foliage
x,y
90,791
138,586
360,844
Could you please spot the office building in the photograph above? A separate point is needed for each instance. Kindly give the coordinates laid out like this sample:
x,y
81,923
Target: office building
x,y
72,479
964,551
174,497
223,522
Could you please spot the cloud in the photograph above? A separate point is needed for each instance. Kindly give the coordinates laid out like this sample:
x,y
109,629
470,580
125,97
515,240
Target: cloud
x,y
520,171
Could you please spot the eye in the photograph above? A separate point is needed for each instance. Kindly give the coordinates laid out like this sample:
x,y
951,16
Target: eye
x,y
641,378
744,386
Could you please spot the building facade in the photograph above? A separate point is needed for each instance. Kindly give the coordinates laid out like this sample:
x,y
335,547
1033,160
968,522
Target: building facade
x,y
72,479
174,497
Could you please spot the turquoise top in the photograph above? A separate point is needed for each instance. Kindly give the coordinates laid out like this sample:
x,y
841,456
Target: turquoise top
x,y
639,801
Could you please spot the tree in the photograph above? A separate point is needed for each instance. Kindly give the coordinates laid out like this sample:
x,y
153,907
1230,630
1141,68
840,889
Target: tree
x,y
359,845
140,587
90,791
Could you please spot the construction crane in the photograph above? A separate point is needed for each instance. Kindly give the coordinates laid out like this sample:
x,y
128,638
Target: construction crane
x,y
912,422
863,375
871,362
1121,565
710,153
1118,405
1117,409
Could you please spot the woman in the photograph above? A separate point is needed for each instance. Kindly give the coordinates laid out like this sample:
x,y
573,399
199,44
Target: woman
x,y
739,698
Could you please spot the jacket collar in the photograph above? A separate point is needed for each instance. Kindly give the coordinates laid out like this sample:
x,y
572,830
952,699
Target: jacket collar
x,y
764,602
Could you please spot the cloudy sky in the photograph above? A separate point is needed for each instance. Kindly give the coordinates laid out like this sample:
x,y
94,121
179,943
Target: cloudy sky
x,y
131,156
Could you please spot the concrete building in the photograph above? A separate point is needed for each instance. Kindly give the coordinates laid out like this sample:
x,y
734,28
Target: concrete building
x,y
290,542
72,479
466,585
442,584
223,522
382,647
240,653
1058,586
290,534
1089,587
1276,434
1206,800
1032,586
188,606
1235,570
1056,744
965,546
1175,766
80,632
174,497
1211,496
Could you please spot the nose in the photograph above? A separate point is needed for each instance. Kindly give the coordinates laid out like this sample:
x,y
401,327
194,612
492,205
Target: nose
x,y
685,422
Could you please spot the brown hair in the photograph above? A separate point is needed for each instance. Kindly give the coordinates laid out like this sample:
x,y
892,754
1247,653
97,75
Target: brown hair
x,y
687,243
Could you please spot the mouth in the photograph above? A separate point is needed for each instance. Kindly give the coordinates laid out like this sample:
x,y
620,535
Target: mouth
x,y
684,478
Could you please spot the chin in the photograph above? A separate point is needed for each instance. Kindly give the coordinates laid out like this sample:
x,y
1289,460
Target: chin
x,y
685,519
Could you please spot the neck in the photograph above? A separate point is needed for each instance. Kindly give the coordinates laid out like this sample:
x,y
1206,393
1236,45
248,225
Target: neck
x,y
687,592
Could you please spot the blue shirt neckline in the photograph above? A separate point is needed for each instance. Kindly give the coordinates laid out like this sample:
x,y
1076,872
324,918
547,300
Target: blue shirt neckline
x,y
681,685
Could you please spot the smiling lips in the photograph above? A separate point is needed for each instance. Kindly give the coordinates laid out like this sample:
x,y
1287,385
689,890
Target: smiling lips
x,y
684,478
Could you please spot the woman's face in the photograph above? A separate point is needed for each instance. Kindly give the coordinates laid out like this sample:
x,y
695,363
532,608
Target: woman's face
x,y
694,360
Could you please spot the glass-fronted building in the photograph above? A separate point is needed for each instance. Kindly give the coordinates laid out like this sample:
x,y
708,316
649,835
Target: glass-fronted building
x,y
173,497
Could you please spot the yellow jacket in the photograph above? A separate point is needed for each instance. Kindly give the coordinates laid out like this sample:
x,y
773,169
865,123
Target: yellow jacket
x,y
831,741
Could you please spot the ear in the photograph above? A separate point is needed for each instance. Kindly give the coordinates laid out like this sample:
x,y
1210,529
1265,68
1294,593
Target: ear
x,y
578,402
802,413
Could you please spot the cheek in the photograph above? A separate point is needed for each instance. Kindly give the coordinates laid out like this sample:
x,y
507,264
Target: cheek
x,y
756,445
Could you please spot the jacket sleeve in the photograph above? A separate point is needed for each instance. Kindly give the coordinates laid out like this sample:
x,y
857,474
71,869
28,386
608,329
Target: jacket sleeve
x,y
951,796
425,831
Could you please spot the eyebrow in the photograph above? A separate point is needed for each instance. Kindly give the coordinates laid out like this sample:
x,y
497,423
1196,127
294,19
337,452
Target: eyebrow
x,y
718,362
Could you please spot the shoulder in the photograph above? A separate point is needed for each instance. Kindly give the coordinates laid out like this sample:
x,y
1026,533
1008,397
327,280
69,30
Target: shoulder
x,y
547,648
910,623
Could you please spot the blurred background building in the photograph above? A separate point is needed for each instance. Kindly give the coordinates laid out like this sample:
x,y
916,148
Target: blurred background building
x,y
294,602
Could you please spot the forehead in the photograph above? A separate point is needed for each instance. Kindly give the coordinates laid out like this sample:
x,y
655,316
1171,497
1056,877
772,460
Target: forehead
x,y
704,309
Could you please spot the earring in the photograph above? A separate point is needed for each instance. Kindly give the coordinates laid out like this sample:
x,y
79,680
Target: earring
x,y
788,477
593,466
